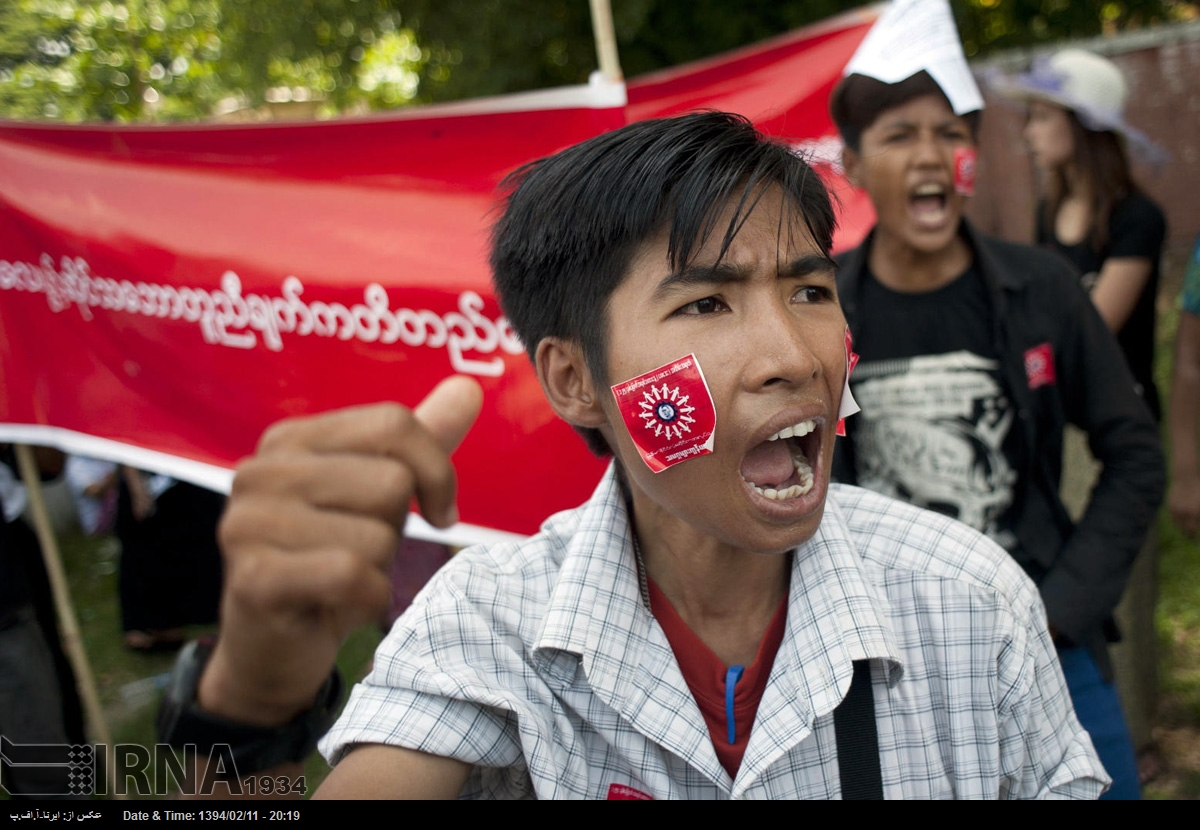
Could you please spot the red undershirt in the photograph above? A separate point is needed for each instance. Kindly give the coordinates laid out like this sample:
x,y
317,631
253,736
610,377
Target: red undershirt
x,y
705,674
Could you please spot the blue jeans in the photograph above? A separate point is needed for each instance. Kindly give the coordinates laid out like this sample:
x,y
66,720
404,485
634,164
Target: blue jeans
x,y
1099,711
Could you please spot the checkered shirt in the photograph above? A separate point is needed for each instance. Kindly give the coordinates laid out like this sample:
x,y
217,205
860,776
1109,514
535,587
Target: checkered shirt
x,y
538,663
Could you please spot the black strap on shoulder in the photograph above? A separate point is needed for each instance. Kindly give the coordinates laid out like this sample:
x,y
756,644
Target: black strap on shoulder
x,y
858,740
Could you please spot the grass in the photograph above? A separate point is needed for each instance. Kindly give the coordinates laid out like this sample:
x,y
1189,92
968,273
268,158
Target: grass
x,y
1177,620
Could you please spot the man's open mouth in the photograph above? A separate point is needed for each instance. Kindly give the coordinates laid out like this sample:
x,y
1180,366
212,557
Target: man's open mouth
x,y
781,468
928,203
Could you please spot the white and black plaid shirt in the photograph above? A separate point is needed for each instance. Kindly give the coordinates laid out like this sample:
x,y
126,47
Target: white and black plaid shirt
x,y
538,663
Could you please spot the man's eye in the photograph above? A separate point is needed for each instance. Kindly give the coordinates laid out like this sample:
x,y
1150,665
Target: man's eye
x,y
708,305
812,294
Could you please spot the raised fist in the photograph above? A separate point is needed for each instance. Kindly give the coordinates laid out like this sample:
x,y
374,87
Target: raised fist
x,y
312,523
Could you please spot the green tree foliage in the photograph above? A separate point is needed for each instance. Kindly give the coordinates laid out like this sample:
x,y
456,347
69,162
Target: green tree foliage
x,y
112,61
131,60
484,47
348,52
988,25
174,59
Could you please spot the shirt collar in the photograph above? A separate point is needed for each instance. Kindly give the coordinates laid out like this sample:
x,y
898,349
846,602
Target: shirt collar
x,y
596,620
596,605
835,615
854,264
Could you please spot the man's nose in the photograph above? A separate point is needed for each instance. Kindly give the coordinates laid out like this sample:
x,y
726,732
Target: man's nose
x,y
929,150
779,351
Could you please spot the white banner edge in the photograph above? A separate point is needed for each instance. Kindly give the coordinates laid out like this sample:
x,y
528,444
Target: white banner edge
x,y
216,478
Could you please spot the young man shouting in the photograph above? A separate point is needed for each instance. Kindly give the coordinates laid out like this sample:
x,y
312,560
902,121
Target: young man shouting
x,y
693,629
975,354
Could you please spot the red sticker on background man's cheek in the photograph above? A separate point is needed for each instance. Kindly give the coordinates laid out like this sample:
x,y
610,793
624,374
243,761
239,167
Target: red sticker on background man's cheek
x,y
669,413
964,170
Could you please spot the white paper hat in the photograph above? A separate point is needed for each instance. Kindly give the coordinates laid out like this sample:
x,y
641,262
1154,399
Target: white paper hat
x,y
1091,86
915,35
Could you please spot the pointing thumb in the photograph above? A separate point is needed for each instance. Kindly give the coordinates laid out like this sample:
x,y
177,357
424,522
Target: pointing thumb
x,y
450,409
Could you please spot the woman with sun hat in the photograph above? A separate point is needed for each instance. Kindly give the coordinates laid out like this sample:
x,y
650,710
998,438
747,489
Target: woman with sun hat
x,y
1092,212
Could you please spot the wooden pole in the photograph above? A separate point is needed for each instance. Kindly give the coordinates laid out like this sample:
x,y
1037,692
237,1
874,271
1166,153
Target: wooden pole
x,y
67,624
606,40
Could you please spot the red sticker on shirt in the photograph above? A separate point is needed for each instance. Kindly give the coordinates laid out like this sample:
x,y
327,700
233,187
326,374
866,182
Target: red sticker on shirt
x,y
669,413
620,792
1039,366
964,170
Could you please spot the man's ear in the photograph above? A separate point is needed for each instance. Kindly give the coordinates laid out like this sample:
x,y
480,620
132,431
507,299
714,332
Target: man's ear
x,y
567,383
852,165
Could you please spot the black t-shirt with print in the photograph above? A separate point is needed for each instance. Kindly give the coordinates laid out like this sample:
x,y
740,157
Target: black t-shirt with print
x,y
1136,229
936,427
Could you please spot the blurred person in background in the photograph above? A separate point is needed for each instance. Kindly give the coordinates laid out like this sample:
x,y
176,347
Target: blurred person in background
x,y
976,353
170,565
1093,213
93,486
39,703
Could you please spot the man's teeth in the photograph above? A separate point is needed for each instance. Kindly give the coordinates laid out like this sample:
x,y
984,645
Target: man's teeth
x,y
929,190
795,430
803,471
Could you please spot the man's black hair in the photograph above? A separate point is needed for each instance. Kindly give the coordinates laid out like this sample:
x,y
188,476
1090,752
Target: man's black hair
x,y
857,101
572,222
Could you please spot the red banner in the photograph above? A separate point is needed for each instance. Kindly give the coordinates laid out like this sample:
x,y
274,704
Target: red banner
x,y
166,293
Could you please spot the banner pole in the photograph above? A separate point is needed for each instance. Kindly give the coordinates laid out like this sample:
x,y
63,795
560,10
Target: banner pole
x,y
68,625
606,40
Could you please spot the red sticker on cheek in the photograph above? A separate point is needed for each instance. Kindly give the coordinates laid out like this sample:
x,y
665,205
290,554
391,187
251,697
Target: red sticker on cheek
x,y
964,170
669,413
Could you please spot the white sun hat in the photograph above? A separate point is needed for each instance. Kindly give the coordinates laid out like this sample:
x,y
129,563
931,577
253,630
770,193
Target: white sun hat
x,y
1091,86
912,36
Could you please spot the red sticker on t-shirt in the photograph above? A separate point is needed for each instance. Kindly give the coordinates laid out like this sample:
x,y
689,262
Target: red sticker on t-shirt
x,y
964,170
620,792
669,413
1039,366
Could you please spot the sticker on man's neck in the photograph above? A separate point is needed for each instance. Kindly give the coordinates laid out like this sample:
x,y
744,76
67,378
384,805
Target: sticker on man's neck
x,y
964,170
669,413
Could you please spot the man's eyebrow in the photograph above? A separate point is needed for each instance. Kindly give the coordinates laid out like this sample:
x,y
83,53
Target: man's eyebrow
x,y
909,124
692,275
723,272
810,265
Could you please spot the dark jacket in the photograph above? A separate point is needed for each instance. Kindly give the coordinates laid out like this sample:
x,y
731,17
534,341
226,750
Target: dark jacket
x,y
1036,299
